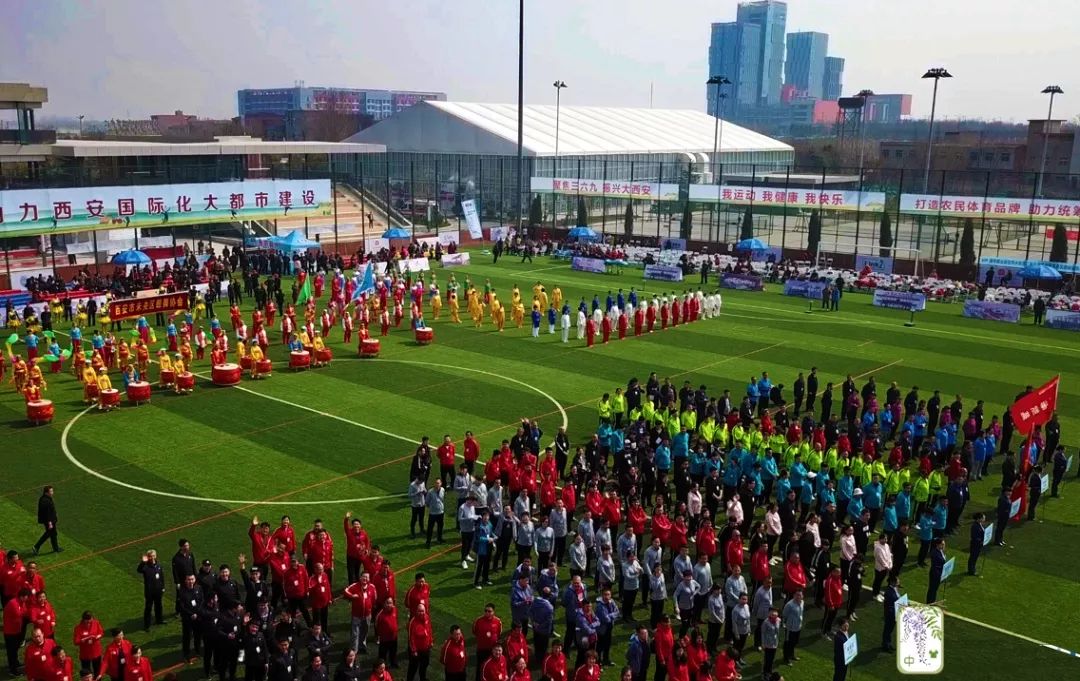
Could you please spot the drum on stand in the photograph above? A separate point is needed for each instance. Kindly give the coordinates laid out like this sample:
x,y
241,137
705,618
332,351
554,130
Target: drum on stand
x,y
39,412
425,335
369,347
110,398
186,381
299,359
138,392
225,374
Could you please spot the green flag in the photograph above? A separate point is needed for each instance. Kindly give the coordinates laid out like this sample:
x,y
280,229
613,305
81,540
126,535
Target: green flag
x,y
305,292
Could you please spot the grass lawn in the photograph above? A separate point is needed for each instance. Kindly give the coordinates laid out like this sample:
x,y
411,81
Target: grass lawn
x,y
320,443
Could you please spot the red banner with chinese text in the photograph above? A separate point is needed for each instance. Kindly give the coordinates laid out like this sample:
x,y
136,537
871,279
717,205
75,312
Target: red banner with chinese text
x,y
1035,408
137,307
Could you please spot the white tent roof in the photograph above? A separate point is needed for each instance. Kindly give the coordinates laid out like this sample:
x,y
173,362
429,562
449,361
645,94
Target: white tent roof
x,y
470,128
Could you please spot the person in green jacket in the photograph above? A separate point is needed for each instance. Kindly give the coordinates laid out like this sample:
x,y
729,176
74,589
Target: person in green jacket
x,y
605,409
618,407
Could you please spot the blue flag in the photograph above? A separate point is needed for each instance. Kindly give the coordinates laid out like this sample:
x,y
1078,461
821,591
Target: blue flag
x,y
366,283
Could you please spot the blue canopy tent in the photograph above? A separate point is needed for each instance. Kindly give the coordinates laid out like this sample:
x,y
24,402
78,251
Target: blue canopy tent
x,y
131,257
291,242
1039,272
582,233
397,233
751,245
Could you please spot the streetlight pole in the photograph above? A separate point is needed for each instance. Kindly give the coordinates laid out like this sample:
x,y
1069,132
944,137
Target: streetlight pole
x,y
865,95
937,74
1048,90
717,82
82,117
520,110
558,85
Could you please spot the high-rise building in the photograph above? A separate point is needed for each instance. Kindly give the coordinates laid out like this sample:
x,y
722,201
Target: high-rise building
x,y
834,78
805,65
771,17
734,52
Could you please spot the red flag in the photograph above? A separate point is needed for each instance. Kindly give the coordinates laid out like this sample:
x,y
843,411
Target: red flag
x,y
1035,408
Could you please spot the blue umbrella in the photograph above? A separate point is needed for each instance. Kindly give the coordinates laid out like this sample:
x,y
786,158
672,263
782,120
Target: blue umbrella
x,y
751,245
582,232
131,257
1038,271
397,233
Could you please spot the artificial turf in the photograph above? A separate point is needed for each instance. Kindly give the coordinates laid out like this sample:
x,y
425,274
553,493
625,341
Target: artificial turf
x,y
226,454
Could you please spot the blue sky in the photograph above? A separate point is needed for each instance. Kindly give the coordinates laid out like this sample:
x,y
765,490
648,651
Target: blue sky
x,y
120,58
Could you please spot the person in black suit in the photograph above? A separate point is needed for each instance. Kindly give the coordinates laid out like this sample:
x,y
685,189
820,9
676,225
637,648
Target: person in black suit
x,y
46,517
892,595
811,389
937,563
841,637
153,575
975,547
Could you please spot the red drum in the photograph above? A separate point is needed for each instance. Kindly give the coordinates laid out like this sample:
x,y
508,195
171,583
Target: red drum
x,y
186,381
225,374
369,347
110,398
168,377
39,412
265,366
323,355
299,359
245,362
138,392
91,390
425,335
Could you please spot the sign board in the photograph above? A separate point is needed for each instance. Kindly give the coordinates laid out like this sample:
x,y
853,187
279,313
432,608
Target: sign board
x,y
672,244
742,282
881,265
947,568
998,312
612,189
447,238
805,289
73,209
1014,510
988,534
663,272
920,640
993,207
455,259
594,265
739,195
472,219
413,265
900,300
1062,319
500,233
851,648
1044,483
138,307
900,603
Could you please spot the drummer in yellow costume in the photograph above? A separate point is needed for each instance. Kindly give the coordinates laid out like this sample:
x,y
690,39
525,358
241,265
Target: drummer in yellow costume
x,y
436,299
103,384
519,312
164,365
256,357
515,296
180,368
305,340
89,378
32,393
20,373
318,345
452,298
37,378
556,298
241,352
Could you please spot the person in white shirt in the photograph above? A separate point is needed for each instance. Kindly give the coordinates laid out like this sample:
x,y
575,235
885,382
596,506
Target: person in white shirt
x,y
693,506
580,324
847,549
883,563
564,322
773,529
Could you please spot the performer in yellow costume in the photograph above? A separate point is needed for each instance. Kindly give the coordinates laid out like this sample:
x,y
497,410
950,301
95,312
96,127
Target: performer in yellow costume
x,y
519,312
256,357
498,313
165,365
556,298
36,377
318,345
180,368
89,379
103,384
452,298
436,300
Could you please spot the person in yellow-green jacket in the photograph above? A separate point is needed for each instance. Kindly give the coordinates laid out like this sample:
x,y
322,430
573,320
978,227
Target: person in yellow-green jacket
x,y
813,458
722,436
648,410
832,458
738,435
618,407
755,440
777,442
689,418
859,470
878,468
605,409
920,494
938,484
707,428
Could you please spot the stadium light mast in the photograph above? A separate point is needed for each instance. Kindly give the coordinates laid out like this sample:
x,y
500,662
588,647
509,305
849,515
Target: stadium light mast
x,y
865,95
520,109
718,123
1048,90
937,74
558,85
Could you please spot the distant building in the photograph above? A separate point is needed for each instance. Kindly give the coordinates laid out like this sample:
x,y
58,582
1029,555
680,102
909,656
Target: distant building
x,y
287,110
804,68
833,79
887,108
734,53
771,17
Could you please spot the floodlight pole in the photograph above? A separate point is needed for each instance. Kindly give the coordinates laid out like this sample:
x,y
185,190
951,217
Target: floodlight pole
x,y
520,107
1048,90
937,74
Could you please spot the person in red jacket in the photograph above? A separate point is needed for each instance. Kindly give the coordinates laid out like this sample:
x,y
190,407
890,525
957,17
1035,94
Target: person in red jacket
x,y
486,629
759,565
663,645
38,658
41,614
385,582
706,539
734,551
471,451
613,511
87,636
516,644
521,670
454,657
622,325
15,628
62,664
285,534
320,595
794,575
661,524
318,547
262,543
636,518
117,655
447,453
386,631
590,332
421,640
296,589
363,597
138,667
725,666
677,535
380,673
494,668
357,544
418,594
590,670
834,598
554,663
32,579
279,565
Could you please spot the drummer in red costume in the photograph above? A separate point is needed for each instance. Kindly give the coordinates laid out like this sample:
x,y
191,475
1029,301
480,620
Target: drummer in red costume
x,y
590,331
622,325
234,316
605,328
347,327
271,310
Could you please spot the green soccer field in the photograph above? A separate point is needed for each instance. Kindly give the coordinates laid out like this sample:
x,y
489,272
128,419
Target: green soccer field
x,y
319,443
